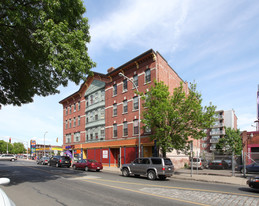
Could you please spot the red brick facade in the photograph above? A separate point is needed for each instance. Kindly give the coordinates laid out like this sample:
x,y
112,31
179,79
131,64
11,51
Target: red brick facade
x,y
120,146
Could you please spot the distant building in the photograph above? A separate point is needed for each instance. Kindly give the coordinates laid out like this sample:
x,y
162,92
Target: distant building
x,y
49,150
223,119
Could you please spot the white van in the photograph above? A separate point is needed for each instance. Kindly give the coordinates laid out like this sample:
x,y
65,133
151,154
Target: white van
x,y
8,157
199,162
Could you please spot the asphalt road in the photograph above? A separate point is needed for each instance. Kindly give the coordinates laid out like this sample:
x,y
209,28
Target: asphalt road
x,y
33,184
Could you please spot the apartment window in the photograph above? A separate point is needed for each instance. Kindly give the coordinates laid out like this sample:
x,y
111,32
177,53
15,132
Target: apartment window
x,y
74,121
96,97
125,106
96,135
115,110
114,89
204,145
102,113
115,130
77,137
78,120
135,80
135,127
91,99
103,95
147,129
96,115
125,85
86,99
68,138
66,124
79,106
69,123
86,135
70,109
91,134
147,76
135,103
66,110
125,128
74,107
102,132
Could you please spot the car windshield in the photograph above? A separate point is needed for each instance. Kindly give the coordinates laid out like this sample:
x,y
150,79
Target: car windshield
x,y
92,161
196,159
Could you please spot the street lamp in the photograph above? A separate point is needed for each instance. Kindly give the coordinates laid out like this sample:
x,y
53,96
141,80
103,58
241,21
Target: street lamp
x,y
122,75
44,143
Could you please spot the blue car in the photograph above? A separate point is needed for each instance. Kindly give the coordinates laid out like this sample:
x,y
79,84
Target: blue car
x,y
254,167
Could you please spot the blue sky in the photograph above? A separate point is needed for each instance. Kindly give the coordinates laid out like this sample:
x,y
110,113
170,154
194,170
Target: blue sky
x,y
214,43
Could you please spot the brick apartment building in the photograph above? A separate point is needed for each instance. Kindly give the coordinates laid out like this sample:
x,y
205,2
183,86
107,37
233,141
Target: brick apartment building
x,y
100,120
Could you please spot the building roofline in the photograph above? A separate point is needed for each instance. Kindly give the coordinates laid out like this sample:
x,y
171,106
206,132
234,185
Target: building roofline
x,y
150,51
94,73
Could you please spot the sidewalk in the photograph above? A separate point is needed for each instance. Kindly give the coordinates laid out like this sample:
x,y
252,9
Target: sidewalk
x,y
181,174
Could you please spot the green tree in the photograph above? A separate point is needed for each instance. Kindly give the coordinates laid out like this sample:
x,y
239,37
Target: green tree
x,y
230,142
177,118
18,148
43,44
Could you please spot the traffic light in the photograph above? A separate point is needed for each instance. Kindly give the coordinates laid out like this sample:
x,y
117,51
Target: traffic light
x,y
10,140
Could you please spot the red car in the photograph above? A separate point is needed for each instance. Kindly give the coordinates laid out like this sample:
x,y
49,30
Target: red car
x,y
88,164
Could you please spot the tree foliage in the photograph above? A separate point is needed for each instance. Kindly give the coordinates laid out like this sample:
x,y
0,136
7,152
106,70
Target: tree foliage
x,y
15,148
177,118
43,44
230,142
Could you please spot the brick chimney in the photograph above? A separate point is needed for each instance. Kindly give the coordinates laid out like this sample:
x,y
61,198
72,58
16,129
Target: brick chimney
x,y
110,69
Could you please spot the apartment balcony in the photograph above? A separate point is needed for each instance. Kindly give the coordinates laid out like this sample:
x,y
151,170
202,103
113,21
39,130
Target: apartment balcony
x,y
212,148
218,125
217,133
214,141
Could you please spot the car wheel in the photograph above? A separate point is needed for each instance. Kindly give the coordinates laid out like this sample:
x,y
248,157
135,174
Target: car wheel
x,y
242,171
57,165
151,175
74,167
125,172
12,160
86,169
49,164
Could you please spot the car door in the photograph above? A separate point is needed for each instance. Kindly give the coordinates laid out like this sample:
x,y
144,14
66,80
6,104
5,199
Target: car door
x,y
135,166
144,166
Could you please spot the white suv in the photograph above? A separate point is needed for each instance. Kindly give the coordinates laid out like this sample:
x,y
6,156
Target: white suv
x,y
8,157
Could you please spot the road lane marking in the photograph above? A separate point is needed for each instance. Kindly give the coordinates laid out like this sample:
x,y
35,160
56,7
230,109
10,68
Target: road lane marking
x,y
180,188
140,192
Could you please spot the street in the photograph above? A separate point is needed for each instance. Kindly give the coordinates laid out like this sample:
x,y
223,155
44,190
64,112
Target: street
x,y
33,184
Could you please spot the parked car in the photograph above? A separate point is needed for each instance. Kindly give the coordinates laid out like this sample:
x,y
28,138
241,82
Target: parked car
x,y
218,164
229,162
8,157
43,161
60,161
200,163
88,164
152,167
253,182
4,199
254,167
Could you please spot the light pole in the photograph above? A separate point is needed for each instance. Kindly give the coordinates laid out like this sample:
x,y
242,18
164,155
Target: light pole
x,y
122,75
44,143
